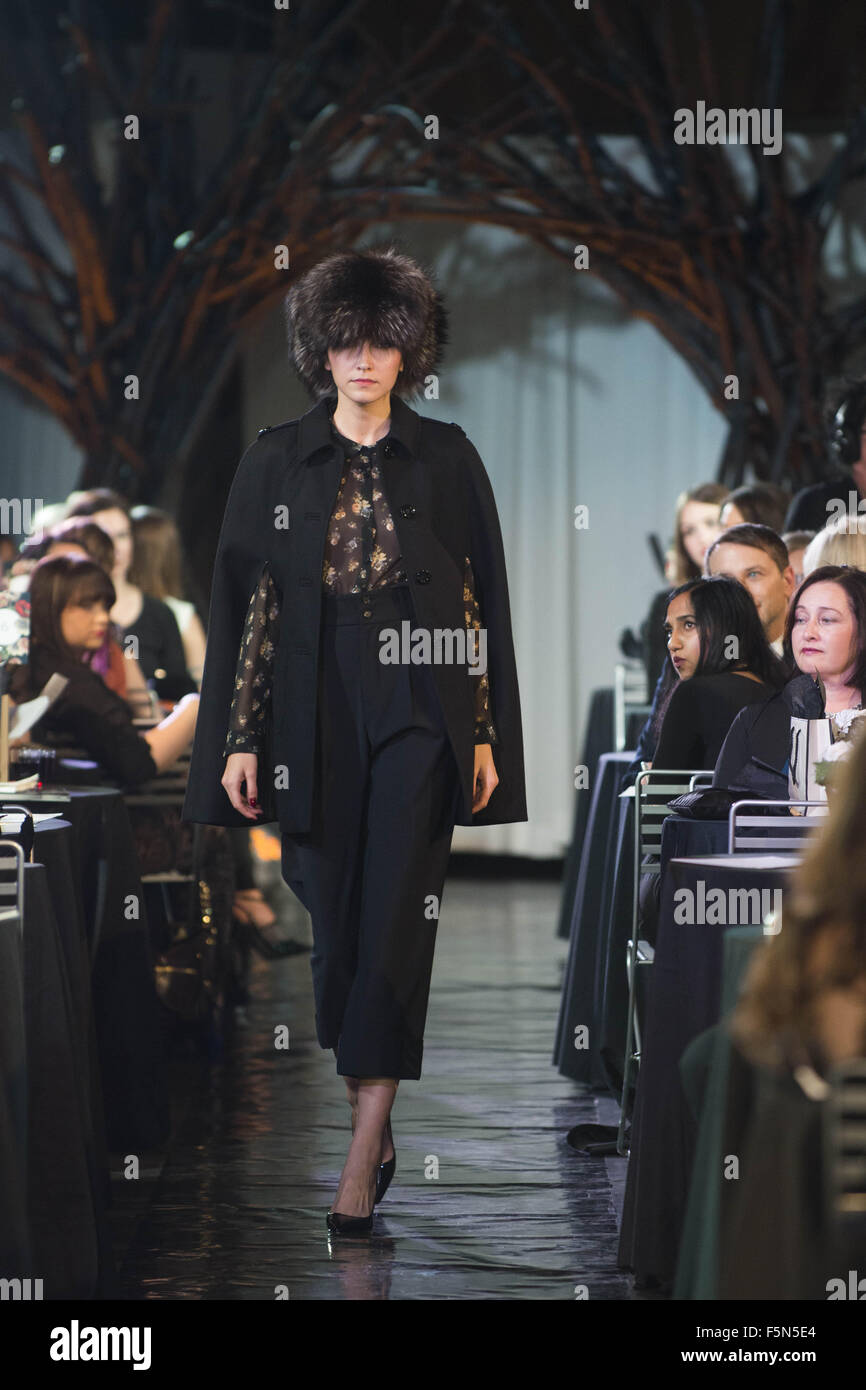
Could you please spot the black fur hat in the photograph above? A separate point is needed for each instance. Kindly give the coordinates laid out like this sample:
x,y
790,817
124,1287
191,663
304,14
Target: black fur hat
x,y
378,295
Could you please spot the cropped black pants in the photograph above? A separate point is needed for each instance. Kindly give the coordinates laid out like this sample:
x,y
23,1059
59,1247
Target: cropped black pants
x,y
371,869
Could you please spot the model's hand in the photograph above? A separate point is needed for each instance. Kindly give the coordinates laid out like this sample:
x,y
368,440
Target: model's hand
x,y
242,768
485,780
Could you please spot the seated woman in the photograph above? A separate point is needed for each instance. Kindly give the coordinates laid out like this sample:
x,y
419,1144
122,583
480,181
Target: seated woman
x,y
802,1010
71,598
78,536
720,662
825,632
148,625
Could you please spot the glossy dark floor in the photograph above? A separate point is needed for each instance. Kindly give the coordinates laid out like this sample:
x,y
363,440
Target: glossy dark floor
x,y
489,1201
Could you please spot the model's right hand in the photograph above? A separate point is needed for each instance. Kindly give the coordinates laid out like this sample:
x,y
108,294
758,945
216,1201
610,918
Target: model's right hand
x,y
242,768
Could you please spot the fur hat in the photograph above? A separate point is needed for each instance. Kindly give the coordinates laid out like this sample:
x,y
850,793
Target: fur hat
x,y
378,295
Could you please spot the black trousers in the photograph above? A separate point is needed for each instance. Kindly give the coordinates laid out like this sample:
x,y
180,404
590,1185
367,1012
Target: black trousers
x,y
371,869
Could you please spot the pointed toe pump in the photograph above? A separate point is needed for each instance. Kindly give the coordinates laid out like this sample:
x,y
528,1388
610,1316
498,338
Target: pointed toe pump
x,y
386,1172
340,1225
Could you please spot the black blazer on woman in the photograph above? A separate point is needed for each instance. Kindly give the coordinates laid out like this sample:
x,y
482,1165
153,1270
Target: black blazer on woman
x,y
277,515
756,753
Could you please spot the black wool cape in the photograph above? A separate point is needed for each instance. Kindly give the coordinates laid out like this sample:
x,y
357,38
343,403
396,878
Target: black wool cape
x,y
277,515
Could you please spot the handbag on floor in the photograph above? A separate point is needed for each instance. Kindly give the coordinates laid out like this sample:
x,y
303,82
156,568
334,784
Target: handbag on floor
x,y
189,972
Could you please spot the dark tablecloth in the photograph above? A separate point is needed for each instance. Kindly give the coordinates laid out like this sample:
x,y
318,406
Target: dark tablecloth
x,y
80,1041
683,1000
589,995
598,739
101,864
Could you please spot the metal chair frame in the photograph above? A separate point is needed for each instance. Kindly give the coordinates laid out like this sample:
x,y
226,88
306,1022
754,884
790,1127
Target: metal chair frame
x,y
623,704
647,842
739,844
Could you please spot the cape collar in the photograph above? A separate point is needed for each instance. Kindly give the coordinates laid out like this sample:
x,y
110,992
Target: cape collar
x,y
315,427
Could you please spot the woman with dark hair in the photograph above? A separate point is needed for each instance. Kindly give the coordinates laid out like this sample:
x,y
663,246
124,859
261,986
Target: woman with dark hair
x,y
375,754
825,633
80,536
761,504
71,598
721,662
696,527
148,625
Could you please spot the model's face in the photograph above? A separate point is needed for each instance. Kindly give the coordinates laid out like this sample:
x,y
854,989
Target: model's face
x,y
84,627
365,374
758,572
824,636
115,524
699,526
683,637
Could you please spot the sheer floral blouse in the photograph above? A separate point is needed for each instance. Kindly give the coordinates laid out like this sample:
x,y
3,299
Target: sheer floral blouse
x,y
361,553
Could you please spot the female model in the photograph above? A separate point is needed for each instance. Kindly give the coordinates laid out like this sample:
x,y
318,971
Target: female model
x,y
360,684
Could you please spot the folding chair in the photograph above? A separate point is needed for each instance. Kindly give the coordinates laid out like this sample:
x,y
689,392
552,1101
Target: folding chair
x,y
740,840
701,779
12,884
629,697
648,818
843,1133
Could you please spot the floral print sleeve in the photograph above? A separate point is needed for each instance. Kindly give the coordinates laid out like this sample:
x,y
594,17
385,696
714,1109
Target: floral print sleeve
x,y
485,731
254,674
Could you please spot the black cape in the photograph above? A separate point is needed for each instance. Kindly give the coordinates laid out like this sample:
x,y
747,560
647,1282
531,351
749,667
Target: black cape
x,y
277,515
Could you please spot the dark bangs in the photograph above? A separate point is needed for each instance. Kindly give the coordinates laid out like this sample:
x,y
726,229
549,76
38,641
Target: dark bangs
x,y
56,582
92,585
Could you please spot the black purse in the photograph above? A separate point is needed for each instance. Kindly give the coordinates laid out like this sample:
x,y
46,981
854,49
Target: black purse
x,y
710,803
186,974
189,973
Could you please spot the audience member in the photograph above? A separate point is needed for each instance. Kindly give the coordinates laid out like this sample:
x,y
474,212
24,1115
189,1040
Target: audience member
x,y
843,542
78,536
696,525
157,569
795,544
722,661
825,633
757,504
756,556
147,621
71,598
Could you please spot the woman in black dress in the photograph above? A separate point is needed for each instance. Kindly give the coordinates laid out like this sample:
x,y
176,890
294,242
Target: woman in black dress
x,y
720,662
341,528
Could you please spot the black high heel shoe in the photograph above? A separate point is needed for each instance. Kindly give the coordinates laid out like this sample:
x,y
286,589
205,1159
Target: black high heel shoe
x,y
342,1225
386,1171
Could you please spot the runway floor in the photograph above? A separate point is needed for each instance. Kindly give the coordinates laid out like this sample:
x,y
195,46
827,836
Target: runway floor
x,y
488,1202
